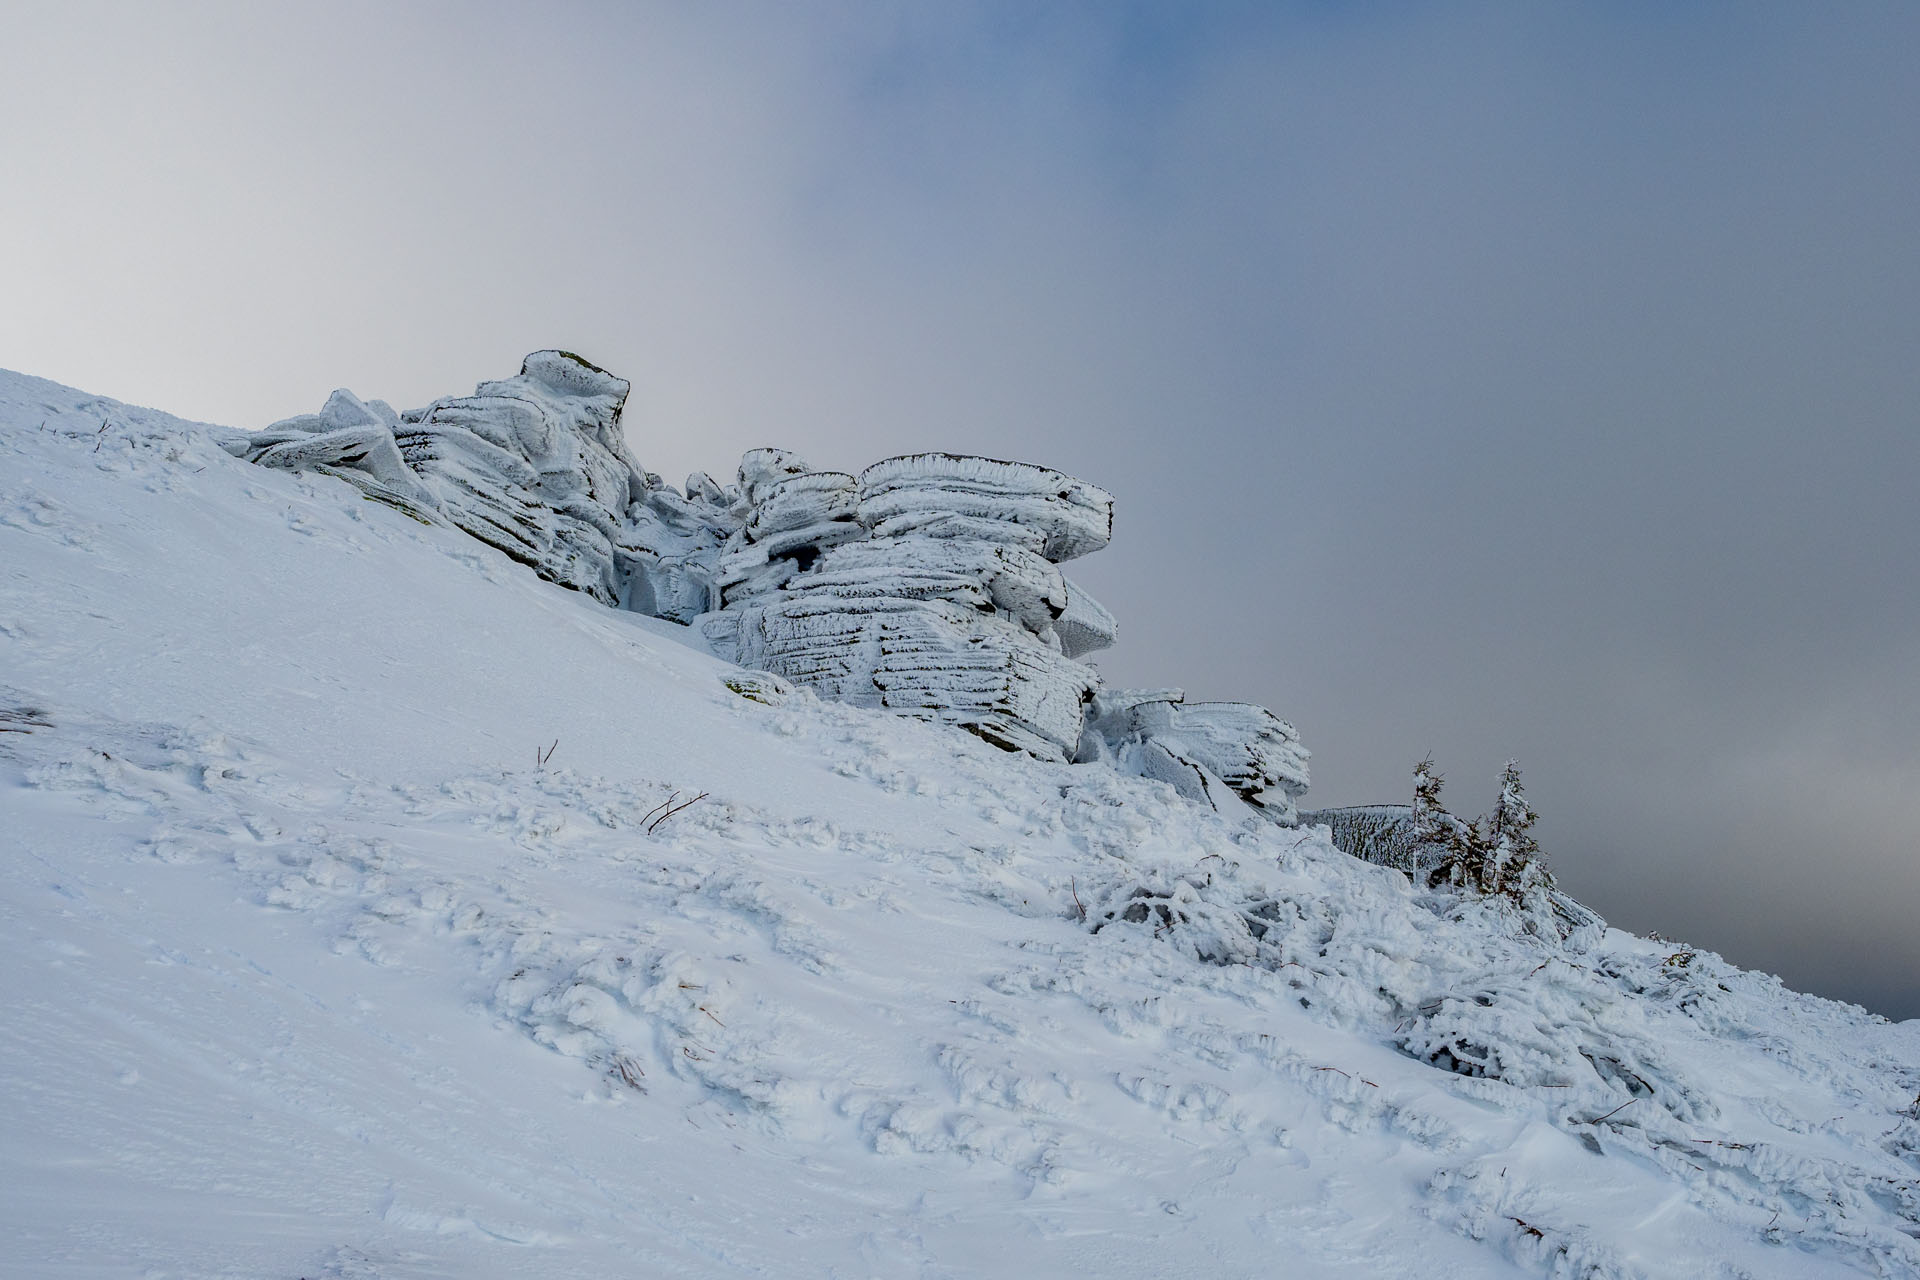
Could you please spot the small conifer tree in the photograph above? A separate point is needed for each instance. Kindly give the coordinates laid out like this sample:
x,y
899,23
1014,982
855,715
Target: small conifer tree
x,y
1431,821
1512,823
1496,855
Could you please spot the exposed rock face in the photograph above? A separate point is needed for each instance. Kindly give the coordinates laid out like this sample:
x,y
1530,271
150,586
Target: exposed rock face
x,y
929,584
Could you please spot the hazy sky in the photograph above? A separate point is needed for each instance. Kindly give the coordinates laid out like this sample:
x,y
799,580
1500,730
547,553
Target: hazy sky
x,y
1483,380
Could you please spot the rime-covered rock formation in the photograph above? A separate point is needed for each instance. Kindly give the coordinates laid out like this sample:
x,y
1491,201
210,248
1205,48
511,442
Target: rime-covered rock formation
x,y
671,544
536,465
1204,750
1385,834
348,438
929,584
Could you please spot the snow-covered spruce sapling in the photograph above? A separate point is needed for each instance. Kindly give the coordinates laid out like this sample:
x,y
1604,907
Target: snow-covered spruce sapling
x,y
1444,838
1430,818
1511,826
1494,856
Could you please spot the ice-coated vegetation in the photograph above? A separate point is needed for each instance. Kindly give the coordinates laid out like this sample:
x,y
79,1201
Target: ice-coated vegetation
x,y
374,908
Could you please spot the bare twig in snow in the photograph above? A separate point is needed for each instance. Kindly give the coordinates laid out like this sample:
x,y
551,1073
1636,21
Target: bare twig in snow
x,y
659,808
1616,1111
669,809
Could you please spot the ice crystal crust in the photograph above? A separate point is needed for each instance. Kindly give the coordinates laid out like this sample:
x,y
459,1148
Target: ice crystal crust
x,y
928,585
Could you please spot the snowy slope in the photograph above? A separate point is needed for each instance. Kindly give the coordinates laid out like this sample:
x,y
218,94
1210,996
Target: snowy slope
x,y
313,970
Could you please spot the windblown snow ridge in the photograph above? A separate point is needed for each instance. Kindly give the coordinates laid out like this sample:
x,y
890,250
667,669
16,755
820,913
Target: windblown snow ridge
x,y
928,584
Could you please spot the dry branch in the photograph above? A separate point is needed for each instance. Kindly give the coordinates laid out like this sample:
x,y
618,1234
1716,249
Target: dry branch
x,y
669,809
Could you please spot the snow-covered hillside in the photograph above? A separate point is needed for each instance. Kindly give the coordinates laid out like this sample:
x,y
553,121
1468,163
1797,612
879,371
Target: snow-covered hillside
x,y
323,959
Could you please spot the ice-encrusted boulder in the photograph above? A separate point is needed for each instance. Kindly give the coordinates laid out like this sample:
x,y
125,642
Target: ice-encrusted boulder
x,y
349,438
535,465
929,584
1204,750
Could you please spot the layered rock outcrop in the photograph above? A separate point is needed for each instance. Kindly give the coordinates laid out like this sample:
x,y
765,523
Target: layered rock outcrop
x,y
535,465
929,584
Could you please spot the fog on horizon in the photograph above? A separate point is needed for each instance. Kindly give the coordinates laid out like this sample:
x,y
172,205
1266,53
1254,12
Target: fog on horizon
x,y
1475,380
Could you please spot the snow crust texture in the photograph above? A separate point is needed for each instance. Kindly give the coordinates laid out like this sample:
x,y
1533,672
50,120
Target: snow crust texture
x,y
928,585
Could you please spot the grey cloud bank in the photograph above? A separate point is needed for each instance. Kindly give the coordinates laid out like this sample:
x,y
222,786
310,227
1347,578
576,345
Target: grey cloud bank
x,y
1485,381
